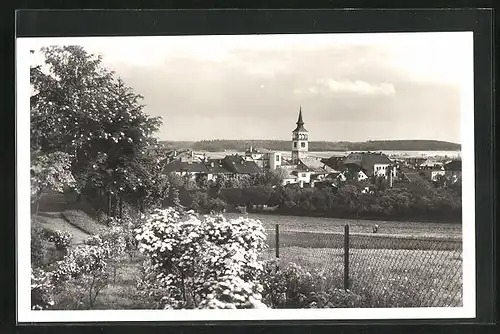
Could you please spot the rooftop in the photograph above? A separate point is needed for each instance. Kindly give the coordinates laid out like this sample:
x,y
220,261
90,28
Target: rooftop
x,y
182,166
239,165
300,123
216,166
315,165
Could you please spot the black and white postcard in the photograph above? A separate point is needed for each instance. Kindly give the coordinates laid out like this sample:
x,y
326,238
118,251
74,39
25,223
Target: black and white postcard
x,y
246,177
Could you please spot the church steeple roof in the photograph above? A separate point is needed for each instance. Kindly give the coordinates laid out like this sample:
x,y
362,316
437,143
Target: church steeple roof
x,y
300,123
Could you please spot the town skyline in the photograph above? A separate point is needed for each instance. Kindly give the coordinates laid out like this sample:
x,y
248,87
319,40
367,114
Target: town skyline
x,y
351,87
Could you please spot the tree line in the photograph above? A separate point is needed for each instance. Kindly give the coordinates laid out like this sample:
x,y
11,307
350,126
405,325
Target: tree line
x,y
284,145
369,199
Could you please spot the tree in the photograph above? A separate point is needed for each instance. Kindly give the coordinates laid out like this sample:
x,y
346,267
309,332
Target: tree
x,y
346,199
49,172
270,178
202,181
259,195
81,108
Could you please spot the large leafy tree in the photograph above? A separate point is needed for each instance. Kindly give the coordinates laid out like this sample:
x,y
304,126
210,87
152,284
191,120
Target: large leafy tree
x,y
49,172
81,108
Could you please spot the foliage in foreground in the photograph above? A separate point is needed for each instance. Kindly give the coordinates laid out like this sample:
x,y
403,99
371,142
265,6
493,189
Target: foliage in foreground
x,y
76,280
193,263
94,131
208,262
50,171
292,286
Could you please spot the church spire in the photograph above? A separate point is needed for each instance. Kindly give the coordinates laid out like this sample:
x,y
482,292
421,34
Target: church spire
x,y
300,123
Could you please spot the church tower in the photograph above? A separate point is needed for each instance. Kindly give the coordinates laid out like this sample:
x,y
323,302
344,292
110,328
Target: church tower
x,y
300,139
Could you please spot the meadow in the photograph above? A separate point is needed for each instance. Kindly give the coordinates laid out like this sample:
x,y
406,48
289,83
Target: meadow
x,y
336,225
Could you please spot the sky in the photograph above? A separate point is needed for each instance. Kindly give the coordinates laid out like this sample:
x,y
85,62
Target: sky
x,y
351,87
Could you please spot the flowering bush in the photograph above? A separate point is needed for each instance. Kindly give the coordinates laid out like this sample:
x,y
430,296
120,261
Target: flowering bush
x,y
121,236
61,239
41,289
288,286
193,263
82,260
115,240
85,267
291,286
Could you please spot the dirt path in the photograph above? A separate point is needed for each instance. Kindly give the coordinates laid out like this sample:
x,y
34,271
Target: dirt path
x,y
53,221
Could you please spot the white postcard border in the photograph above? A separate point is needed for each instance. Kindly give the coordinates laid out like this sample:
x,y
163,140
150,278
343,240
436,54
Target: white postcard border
x,y
23,258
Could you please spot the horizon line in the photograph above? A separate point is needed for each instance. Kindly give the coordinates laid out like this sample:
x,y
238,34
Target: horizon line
x,y
323,141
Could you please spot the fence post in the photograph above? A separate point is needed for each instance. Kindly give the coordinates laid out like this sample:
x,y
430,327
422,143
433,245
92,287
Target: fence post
x,y
277,235
346,257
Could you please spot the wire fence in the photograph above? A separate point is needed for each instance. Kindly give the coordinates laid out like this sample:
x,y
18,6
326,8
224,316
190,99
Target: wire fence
x,y
391,270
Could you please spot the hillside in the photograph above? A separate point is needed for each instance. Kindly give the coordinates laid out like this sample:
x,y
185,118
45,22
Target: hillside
x,y
283,145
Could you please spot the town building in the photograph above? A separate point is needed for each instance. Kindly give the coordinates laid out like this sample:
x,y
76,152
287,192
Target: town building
x,y
215,167
374,164
302,169
453,170
264,158
238,165
191,165
300,140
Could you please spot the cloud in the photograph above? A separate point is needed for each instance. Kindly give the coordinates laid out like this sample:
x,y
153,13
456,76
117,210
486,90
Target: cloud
x,y
352,87
328,86
357,87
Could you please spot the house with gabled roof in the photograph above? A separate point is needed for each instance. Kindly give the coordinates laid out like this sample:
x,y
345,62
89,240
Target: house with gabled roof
x,y
453,170
371,164
264,158
185,168
238,165
216,167
336,163
430,163
291,176
318,171
453,166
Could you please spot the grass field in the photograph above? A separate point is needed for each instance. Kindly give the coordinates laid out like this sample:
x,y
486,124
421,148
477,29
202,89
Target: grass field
x,y
336,225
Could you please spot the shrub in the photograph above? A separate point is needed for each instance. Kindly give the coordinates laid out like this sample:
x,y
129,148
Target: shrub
x,y
335,298
61,239
202,203
84,268
291,286
287,286
122,233
38,246
115,239
201,264
41,289
216,205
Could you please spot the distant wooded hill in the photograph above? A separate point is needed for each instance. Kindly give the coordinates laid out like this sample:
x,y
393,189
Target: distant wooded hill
x,y
283,145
